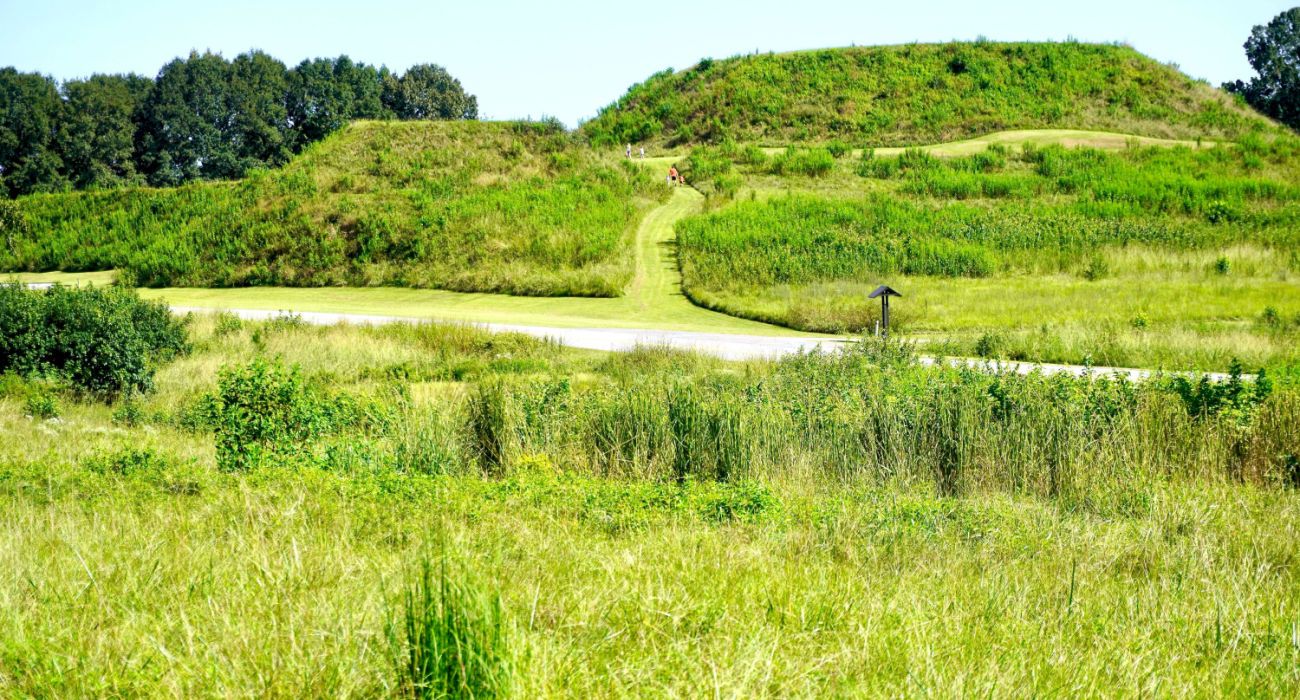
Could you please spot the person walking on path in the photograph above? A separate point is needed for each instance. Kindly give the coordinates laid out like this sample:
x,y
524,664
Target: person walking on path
x,y
643,153
628,151
672,174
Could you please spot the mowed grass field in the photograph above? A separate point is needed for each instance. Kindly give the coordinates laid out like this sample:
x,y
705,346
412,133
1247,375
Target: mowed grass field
x,y
654,524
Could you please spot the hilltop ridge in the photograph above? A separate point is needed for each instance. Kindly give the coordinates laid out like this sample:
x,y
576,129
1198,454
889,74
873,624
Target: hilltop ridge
x,y
921,93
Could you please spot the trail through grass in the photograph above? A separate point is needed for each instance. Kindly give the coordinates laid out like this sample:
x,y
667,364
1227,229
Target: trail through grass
x,y
654,298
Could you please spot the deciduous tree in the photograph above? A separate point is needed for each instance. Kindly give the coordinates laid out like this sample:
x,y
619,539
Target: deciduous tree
x,y
97,137
1274,52
30,110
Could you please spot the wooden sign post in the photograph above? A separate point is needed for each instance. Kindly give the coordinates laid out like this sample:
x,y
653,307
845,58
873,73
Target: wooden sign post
x,y
884,292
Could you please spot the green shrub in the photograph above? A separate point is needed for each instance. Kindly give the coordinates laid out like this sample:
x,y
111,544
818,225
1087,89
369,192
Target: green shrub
x,y
1096,268
129,412
13,224
104,340
265,413
131,461
450,639
42,405
227,324
990,345
741,502
710,436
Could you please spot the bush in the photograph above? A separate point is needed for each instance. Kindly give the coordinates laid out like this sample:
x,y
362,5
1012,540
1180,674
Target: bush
x,y
42,405
129,412
104,340
265,413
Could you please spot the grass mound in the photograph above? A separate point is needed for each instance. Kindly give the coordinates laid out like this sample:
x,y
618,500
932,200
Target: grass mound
x,y
520,208
913,94
1146,256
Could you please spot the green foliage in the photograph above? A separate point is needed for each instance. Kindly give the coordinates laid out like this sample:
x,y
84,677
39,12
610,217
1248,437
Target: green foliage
x,y
909,94
104,340
450,638
42,405
97,135
203,117
517,208
809,162
29,158
1043,210
264,413
428,91
1206,398
492,426
129,411
709,435
1272,50
13,224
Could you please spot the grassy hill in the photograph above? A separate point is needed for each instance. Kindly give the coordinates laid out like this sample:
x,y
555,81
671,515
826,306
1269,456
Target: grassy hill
x,y
470,206
1143,256
920,93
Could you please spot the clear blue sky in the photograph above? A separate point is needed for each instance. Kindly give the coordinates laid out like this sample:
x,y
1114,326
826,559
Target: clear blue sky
x,y
567,59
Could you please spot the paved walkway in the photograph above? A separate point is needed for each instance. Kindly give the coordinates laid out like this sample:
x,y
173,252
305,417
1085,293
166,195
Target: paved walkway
x,y
725,345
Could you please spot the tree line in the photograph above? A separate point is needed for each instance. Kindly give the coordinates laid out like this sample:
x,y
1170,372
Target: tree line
x,y
202,117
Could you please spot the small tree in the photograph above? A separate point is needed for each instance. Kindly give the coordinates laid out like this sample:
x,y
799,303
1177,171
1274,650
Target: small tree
x,y
263,412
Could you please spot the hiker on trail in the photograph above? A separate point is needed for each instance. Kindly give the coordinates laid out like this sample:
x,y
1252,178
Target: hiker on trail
x,y
643,152
628,152
672,174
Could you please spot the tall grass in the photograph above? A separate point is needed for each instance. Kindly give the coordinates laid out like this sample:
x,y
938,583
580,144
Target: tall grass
x,y
902,95
1142,214
1142,532
450,638
504,207
873,413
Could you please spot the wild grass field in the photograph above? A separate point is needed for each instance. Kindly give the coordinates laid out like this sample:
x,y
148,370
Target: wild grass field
x,y
917,94
1137,256
199,505
646,523
520,208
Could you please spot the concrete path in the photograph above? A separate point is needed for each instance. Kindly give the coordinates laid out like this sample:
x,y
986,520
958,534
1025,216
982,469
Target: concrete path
x,y
728,346
725,345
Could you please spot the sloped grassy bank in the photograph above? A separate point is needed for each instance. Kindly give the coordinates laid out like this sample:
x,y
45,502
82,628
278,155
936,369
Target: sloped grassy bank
x,y
521,208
